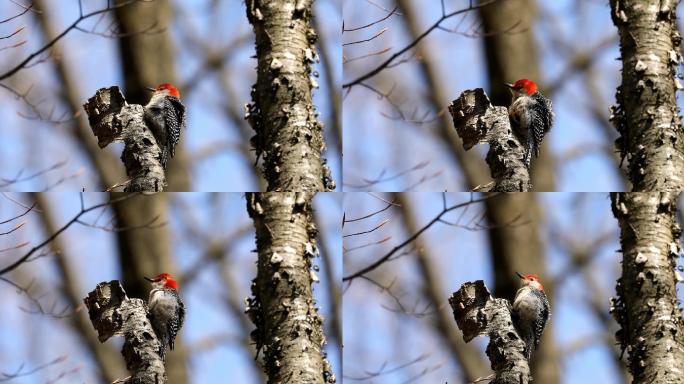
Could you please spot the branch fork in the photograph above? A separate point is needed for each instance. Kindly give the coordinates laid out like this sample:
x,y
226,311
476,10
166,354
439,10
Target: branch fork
x,y
114,314
478,122
477,313
112,119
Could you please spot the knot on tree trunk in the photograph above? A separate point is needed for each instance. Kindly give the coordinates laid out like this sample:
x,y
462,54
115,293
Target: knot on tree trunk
x,y
112,119
477,313
477,121
112,313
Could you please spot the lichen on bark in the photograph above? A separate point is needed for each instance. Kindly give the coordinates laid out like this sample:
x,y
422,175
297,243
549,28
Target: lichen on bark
x,y
646,113
478,122
289,329
289,135
112,119
646,306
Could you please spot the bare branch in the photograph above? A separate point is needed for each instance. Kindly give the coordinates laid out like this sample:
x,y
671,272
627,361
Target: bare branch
x,y
75,219
409,240
52,42
396,55
26,9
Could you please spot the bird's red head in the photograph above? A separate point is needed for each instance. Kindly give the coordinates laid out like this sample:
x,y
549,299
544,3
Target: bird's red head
x,y
165,279
523,85
531,279
172,91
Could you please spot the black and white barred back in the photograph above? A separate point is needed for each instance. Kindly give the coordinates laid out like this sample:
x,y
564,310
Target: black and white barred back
x,y
532,113
530,315
167,313
167,118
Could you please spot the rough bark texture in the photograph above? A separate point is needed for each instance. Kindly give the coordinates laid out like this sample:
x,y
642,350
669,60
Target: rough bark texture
x,y
288,133
646,114
469,358
474,171
476,314
147,58
112,119
478,122
114,314
646,306
511,52
289,328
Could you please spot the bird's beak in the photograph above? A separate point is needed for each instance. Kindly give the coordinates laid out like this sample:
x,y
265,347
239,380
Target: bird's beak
x,y
519,275
150,89
511,86
150,280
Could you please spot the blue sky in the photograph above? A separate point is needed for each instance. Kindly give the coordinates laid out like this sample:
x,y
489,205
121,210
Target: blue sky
x,y
95,61
23,336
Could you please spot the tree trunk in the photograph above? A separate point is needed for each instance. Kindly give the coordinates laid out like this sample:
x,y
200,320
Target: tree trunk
x,y
112,313
288,133
646,114
646,306
289,329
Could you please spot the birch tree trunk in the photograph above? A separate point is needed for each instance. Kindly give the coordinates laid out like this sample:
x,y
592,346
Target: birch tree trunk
x,y
289,135
646,306
646,114
289,329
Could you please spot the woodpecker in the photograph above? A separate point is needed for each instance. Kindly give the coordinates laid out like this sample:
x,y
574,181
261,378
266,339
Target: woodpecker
x,y
165,116
166,310
531,116
530,311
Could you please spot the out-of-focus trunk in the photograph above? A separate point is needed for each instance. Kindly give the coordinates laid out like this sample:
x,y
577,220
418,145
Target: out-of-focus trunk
x,y
148,57
145,250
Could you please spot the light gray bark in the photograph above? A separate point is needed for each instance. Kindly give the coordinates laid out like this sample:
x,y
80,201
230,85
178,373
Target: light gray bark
x,y
646,306
114,314
112,119
477,313
289,329
288,133
478,122
646,114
